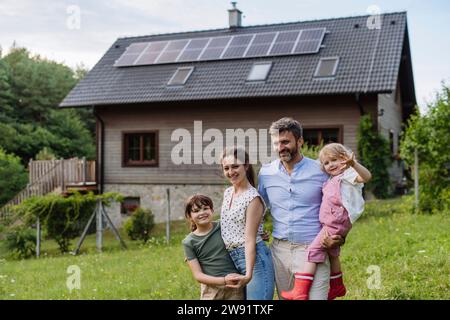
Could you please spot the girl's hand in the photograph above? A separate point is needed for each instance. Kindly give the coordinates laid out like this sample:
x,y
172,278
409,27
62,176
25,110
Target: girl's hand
x,y
348,161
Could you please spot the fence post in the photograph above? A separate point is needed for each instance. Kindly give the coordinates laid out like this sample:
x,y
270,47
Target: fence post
x,y
30,171
99,235
38,237
83,171
168,217
416,180
62,175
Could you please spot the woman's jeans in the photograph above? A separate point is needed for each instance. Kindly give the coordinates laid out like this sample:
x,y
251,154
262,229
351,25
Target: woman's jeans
x,y
261,287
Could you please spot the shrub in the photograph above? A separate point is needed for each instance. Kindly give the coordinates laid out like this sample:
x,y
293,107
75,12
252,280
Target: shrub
x,y
21,242
139,225
62,218
374,153
429,134
311,151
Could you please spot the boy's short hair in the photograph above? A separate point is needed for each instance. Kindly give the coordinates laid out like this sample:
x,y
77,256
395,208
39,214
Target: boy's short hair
x,y
197,200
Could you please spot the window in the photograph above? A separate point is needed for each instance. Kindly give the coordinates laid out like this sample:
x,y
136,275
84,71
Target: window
x,y
130,204
259,71
327,67
140,149
313,137
180,76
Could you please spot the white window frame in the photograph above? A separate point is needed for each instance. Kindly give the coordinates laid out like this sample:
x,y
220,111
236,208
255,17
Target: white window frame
x,y
185,79
269,63
316,73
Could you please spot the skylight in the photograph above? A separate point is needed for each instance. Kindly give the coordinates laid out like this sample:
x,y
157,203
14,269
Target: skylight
x,y
180,76
259,71
327,67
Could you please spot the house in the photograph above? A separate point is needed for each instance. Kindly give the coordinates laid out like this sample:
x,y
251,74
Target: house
x,y
149,91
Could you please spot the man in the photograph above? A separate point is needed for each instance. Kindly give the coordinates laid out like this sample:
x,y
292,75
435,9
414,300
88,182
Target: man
x,y
292,189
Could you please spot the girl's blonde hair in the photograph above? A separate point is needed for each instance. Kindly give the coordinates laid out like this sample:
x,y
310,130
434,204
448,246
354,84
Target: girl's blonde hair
x,y
334,149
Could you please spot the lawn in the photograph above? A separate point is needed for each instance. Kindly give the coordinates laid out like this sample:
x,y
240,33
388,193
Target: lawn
x,y
389,254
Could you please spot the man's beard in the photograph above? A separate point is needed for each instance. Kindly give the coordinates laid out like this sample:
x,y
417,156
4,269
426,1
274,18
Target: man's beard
x,y
291,155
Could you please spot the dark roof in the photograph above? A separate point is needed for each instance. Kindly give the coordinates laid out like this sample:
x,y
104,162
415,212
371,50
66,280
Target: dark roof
x,y
369,62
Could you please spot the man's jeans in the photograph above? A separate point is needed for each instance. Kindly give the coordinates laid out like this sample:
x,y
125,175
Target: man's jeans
x,y
261,287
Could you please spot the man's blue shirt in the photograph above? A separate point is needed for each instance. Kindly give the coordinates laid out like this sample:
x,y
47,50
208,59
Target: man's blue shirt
x,y
294,200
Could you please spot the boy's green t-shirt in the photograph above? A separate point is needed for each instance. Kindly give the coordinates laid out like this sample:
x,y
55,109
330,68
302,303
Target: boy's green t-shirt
x,y
210,252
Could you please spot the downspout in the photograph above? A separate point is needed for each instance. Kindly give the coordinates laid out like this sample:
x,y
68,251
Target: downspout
x,y
358,102
100,164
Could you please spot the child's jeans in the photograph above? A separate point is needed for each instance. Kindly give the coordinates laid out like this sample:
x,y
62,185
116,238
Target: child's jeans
x,y
261,287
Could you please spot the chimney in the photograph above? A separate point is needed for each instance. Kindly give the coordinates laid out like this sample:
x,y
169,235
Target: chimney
x,y
235,17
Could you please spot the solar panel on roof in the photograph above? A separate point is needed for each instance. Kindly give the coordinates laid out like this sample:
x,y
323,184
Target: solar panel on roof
x,y
310,41
223,47
190,55
306,47
282,48
312,34
258,50
260,44
284,42
147,58
131,54
212,53
238,46
215,48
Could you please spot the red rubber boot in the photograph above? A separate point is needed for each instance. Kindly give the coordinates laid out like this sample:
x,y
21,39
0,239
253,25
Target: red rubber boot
x,y
337,288
302,285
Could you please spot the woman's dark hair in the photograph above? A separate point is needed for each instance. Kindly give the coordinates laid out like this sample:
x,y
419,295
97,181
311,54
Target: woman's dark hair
x,y
241,155
198,201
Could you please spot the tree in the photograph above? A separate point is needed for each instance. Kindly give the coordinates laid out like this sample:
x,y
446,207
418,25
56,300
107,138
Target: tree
x,y
13,176
31,88
374,153
430,136
6,109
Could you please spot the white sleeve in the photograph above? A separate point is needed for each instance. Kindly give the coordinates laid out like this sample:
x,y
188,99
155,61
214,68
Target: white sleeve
x,y
350,176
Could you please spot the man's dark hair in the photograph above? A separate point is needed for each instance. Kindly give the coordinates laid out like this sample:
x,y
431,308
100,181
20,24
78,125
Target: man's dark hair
x,y
287,124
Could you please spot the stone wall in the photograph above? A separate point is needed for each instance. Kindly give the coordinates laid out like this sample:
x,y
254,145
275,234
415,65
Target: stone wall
x,y
154,197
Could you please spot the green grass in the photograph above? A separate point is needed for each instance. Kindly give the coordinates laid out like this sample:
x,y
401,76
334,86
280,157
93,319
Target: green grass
x,y
411,252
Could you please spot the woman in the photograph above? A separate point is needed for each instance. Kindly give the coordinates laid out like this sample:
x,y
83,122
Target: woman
x,y
242,225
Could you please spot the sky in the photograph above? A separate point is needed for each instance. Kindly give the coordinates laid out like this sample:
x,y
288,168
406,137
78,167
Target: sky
x,y
77,32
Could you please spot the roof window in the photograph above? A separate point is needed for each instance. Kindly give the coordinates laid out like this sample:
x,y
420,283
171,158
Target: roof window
x,y
259,71
180,76
327,67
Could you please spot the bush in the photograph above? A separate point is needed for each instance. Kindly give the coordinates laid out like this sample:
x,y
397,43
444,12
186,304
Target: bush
x,y
21,242
430,136
139,225
62,218
311,151
374,153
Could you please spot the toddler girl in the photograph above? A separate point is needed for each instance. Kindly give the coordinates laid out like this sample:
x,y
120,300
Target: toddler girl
x,y
342,204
